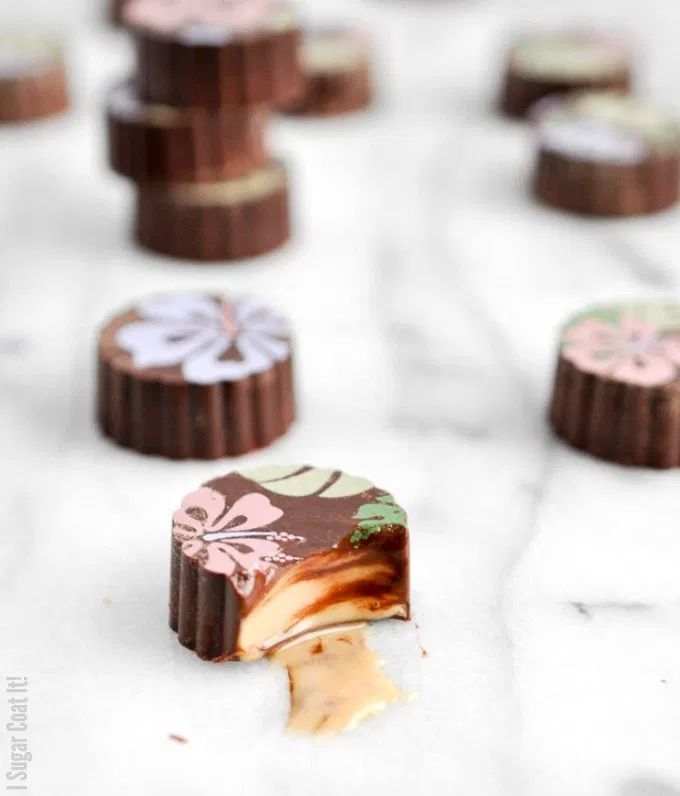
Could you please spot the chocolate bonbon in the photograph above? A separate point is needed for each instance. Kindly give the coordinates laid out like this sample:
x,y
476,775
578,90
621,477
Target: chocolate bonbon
x,y
553,63
229,220
32,77
262,556
617,384
160,143
196,376
338,73
215,53
606,154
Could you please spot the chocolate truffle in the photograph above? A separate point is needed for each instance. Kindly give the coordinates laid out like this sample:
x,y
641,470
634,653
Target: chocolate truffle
x,y
227,220
606,154
215,52
32,77
196,376
617,386
338,74
543,64
160,143
262,556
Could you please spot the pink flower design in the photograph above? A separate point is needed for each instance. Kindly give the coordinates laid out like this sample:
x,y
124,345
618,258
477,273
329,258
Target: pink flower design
x,y
230,540
199,16
633,350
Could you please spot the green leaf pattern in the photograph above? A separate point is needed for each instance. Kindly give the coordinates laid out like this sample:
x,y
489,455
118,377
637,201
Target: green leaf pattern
x,y
376,516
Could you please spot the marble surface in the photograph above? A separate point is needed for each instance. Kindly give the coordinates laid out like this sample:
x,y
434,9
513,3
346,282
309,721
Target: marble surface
x,y
426,289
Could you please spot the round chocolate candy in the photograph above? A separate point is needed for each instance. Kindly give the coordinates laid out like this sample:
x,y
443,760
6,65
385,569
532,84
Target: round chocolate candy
x,y
606,154
544,64
230,220
338,73
160,143
196,376
215,53
617,386
32,77
262,556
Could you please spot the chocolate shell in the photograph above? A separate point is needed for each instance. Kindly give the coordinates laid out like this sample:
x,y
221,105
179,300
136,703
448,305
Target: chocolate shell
x,y
544,64
221,53
263,556
32,78
195,376
617,384
159,143
607,155
338,74
228,220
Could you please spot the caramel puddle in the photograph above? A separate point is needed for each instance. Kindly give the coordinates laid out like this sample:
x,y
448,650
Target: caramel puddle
x,y
336,681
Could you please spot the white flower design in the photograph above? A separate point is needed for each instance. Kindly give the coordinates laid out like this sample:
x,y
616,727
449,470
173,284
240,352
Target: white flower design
x,y
210,339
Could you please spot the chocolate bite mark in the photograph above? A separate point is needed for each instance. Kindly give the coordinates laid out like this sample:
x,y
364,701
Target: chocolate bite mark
x,y
302,572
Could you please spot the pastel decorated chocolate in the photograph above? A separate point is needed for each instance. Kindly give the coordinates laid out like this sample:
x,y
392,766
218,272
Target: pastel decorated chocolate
x,y
606,154
228,220
32,77
160,143
338,73
196,376
617,385
262,556
545,64
215,52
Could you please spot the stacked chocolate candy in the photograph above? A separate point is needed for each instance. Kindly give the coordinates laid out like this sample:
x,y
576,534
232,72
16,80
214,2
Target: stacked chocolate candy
x,y
189,128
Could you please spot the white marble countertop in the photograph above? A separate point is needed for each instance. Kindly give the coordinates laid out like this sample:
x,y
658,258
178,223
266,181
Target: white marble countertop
x,y
425,288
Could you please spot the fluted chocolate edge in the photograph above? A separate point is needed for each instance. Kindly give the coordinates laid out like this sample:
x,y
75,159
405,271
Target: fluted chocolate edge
x,y
35,96
197,146
204,607
624,423
212,232
335,93
520,92
195,421
264,69
605,189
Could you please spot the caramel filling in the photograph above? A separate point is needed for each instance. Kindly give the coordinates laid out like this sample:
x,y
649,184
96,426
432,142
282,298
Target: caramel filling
x,y
319,592
336,681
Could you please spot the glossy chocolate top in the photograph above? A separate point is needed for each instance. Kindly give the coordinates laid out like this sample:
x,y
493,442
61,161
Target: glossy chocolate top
x,y
208,22
260,521
196,338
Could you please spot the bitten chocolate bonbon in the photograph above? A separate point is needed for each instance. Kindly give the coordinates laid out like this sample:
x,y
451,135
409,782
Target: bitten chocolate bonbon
x,y
617,384
215,53
160,143
33,81
263,556
196,376
338,73
229,220
606,154
543,64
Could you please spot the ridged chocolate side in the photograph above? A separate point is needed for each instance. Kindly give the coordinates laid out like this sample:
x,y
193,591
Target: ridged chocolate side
x,y
624,423
204,607
262,69
605,189
192,421
196,231
335,93
520,92
196,145
34,96
206,611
